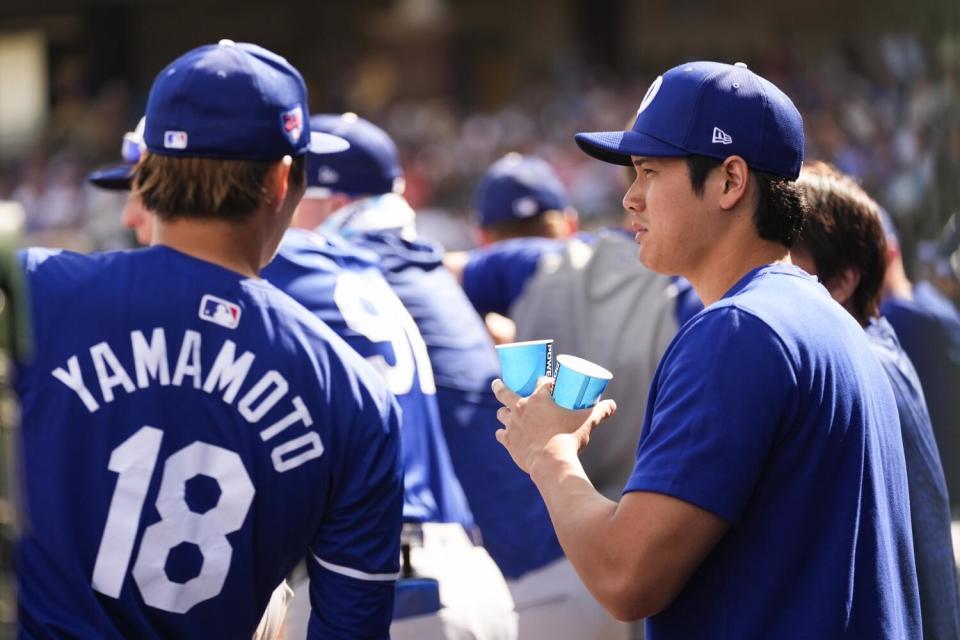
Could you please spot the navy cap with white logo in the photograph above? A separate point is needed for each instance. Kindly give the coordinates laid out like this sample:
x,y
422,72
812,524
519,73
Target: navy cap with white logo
x,y
369,167
232,101
710,109
120,177
517,187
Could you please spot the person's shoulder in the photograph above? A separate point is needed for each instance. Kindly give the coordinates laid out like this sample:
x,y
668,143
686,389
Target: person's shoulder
x,y
69,270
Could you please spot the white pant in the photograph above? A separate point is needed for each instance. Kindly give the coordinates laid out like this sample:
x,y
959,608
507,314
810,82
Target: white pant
x,y
476,603
272,622
553,604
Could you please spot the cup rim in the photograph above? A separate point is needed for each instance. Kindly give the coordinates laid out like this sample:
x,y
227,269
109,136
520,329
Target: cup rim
x,y
583,367
525,343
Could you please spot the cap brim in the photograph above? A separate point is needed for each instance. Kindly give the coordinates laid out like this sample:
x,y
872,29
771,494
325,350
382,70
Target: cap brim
x,y
321,143
119,178
617,147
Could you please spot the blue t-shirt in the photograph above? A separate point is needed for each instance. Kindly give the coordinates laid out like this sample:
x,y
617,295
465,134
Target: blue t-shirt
x,y
928,328
508,509
496,276
342,285
929,504
189,435
769,410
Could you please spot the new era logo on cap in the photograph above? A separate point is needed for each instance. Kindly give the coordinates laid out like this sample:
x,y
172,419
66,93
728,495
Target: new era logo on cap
x,y
174,139
721,137
219,311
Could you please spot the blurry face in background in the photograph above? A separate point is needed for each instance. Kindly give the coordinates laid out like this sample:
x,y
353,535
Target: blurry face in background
x,y
138,219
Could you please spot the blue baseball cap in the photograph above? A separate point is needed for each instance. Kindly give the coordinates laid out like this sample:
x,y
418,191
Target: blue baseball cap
x,y
120,177
231,100
370,166
517,187
709,109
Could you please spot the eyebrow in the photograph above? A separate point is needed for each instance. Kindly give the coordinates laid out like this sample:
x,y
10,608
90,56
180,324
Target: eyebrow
x,y
638,162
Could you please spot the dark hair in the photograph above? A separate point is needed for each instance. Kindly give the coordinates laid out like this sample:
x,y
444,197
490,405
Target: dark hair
x,y
780,207
844,230
175,187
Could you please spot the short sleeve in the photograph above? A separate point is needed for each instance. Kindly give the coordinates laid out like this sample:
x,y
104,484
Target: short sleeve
x,y
356,556
724,394
495,276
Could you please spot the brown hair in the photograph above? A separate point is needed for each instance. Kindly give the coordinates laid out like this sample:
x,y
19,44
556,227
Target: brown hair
x,y
543,225
174,187
843,230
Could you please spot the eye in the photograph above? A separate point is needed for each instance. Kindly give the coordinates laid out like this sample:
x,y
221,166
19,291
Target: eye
x,y
647,172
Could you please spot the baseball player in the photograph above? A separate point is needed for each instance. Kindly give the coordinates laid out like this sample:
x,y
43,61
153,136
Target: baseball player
x,y
550,600
586,291
342,285
190,432
360,189
769,497
843,244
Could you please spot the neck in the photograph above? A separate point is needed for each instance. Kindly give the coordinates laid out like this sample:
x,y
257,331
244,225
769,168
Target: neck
x,y
729,262
896,283
239,247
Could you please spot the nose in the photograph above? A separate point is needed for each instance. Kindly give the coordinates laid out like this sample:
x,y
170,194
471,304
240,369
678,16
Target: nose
x,y
633,199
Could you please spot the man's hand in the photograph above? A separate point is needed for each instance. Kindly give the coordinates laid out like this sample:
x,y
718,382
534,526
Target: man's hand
x,y
535,425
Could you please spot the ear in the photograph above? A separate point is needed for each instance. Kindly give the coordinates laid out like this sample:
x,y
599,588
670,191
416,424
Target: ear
x,y
277,183
734,178
843,285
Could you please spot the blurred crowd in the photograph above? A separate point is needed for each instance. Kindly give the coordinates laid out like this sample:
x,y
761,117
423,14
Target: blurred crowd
x,y
886,112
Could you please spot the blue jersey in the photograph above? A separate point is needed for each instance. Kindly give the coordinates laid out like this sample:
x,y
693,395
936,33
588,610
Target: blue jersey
x,y
342,285
928,327
929,504
770,410
509,511
190,435
495,276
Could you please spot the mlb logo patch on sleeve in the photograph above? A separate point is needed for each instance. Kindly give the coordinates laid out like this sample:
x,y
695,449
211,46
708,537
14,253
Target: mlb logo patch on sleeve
x,y
219,311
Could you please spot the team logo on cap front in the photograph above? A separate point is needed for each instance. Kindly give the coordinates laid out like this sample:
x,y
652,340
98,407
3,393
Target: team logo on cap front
x,y
292,122
174,139
651,94
219,311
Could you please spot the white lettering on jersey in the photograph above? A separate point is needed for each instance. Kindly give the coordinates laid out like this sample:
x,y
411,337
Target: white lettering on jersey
x,y
150,361
73,378
280,388
314,449
188,363
228,372
299,414
103,357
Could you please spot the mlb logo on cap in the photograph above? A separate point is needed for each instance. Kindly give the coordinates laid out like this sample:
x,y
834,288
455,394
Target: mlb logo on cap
x,y
174,139
219,311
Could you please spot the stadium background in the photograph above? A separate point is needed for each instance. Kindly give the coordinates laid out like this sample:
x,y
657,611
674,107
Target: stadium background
x,y
459,82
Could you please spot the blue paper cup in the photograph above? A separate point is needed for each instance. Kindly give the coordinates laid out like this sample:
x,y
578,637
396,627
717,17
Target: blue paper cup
x,y
522,363
580,383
